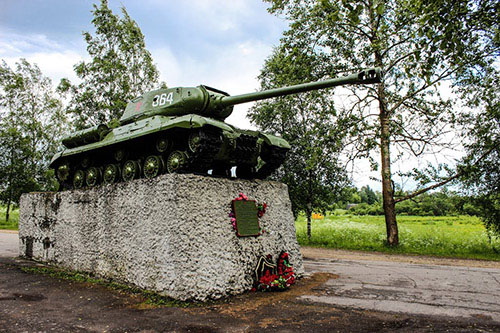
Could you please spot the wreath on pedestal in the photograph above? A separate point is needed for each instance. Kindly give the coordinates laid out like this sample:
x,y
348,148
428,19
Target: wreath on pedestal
x,y
271,277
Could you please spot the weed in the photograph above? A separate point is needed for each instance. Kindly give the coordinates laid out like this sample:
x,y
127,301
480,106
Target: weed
x,y
151,298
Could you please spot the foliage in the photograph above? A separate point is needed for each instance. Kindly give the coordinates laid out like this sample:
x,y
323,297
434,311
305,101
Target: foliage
x,y
120,69
442,203
366,209
411,114
481,165
13,222
446,236
308,122
482,177
31,123
367,195
463,25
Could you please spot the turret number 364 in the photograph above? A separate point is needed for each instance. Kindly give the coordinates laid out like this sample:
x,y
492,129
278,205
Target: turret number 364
x,y
162,99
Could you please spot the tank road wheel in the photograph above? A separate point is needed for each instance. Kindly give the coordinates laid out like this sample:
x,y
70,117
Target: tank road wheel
x,y
85,162
111,173
162,144
194,141
78,179
176,161
153,166
119,155
93,176
130,170
62,173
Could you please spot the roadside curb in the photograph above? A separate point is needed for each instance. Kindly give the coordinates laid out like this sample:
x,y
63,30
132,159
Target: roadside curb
x,y
6,231
315,253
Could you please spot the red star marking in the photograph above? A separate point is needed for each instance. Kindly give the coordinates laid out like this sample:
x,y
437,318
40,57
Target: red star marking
x,y
138,106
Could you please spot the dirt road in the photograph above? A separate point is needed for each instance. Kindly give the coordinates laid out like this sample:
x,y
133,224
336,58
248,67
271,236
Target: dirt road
x,y
345,291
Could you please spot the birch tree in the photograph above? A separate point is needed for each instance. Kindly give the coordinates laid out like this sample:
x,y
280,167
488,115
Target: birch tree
x,y
407,113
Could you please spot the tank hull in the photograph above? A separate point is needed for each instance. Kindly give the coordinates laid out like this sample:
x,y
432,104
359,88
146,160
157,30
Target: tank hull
x,y
180,129
202,145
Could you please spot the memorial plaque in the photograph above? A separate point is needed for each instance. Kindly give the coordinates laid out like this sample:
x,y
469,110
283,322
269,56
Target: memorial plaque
x,y
247,223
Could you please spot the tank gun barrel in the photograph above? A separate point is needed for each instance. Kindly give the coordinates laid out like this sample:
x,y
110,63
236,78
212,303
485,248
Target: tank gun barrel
x,y
214,103
373,75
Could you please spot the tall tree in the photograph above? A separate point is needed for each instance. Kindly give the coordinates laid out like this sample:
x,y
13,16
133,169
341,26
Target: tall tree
x,y
120,69
404,114
15,177
312,170
31,121
464,25
367,195
481,166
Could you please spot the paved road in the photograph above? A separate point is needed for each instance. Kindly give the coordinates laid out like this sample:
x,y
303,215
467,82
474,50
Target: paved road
x,y
410,288
388,286
9,244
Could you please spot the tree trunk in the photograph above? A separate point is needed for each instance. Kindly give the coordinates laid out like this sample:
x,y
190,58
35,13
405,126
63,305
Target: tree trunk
x,y
9,200
309,213
7,212
387,189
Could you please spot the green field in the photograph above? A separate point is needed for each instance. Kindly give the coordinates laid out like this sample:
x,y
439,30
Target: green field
x,y
447,236
13,222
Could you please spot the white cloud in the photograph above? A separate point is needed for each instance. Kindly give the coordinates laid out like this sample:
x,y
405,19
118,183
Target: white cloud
x,y
232,67
55,65
216,15
12,43
55,60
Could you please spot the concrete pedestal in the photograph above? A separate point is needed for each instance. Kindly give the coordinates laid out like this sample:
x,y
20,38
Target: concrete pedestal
x,y
171,234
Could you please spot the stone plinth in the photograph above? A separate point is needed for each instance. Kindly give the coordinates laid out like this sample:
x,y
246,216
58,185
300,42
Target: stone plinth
x,y
171,234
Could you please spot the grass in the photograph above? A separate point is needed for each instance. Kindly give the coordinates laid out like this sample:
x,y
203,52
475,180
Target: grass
x,y
446,236
151,298
13,223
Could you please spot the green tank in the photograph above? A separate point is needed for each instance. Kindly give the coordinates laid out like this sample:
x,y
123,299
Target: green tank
x,y
179,130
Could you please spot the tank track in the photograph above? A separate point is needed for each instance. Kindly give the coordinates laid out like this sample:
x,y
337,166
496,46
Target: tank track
x,y
246,145
203,159
200,161
274,158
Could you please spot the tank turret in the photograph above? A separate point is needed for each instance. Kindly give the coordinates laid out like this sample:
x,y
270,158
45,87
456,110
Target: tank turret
x,y
217,104
180,130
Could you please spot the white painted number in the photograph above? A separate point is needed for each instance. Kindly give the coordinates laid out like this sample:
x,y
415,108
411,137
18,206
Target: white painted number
x,y
170,98
162,99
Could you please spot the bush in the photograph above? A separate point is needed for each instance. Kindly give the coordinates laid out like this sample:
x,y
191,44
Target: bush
x,y
442,203
366,209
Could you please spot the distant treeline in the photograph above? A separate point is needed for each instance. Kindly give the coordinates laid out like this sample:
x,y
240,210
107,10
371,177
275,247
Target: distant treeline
x,y
365,201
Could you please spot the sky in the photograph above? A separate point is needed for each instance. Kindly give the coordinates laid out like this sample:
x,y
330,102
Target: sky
x,y
220,43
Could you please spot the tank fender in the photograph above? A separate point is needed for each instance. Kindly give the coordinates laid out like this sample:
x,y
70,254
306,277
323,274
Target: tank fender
x,y
146,127
199,121
55,158
273,140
